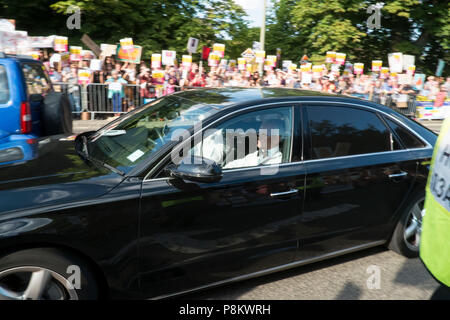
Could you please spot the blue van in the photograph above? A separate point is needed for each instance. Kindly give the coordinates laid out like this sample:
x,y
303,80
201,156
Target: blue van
x,y
29,108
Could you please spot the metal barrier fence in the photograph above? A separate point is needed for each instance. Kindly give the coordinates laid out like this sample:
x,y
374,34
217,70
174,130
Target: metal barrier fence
x,y
408,109
95,98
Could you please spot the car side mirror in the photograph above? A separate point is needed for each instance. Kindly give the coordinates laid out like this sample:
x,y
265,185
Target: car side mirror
x,y
196,169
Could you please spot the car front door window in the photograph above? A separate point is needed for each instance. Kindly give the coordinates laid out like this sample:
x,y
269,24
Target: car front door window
x,y
257,138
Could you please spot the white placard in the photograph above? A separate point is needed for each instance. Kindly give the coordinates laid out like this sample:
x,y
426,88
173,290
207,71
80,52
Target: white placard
x,y
306,78
168,57
7,25
408,60
115,86
96,65
395,62
192,45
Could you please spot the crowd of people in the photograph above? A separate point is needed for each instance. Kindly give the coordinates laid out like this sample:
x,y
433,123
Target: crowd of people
x,y
118,76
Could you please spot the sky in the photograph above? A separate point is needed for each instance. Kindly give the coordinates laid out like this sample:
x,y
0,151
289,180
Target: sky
x,y
254,10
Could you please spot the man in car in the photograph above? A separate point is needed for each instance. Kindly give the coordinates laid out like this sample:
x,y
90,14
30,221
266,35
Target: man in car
x,y
268,147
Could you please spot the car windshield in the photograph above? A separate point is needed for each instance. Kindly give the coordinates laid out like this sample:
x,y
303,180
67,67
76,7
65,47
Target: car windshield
x,y
125,143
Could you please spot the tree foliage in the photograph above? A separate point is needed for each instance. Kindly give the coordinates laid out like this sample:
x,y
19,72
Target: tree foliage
x,y
417,27
153,24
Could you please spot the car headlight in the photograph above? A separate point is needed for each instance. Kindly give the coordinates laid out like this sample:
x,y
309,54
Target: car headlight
x,y
11,154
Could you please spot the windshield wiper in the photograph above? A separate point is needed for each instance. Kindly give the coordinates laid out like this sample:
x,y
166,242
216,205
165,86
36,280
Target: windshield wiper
x,y
98,162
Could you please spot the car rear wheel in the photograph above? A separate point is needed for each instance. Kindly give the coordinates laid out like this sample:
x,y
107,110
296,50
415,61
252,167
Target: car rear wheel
x,y
406,237
45,274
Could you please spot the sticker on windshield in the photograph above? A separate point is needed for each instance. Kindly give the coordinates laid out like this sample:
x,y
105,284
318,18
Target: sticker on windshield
x,y
135,155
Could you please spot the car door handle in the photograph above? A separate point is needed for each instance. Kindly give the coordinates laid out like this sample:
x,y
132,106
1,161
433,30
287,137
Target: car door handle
x,y
398,175
285,193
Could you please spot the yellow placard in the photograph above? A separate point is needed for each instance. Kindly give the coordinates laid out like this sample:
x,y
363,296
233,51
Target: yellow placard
x,y
306,67
158,74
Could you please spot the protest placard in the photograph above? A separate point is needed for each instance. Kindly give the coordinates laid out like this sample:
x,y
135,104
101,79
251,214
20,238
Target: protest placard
x,y
213,59
186,61
358,68
395,62
84,76
75,53
96,65
65,59
317,71
61,44
127,44
408,60
376,65
260,56
285,64
340,58
419,80
7,25
41,42
306,67
241,63
156,60
384,73
108,50
411,70
88,42
273,60
168,57
306,77
219,48
404,78
14,42
134,56
192,45
331,57
268,65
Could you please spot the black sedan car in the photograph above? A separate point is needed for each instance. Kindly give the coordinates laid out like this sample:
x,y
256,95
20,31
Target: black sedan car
x,y
209,186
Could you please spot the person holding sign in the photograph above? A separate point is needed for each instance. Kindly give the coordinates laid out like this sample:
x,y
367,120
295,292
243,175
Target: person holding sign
x,y
116,91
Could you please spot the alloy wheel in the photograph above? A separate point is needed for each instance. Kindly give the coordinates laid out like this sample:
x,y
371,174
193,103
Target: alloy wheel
x,y
413,227
34,283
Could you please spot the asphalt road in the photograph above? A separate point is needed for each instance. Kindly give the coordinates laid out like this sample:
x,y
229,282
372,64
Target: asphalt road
x,y
342,278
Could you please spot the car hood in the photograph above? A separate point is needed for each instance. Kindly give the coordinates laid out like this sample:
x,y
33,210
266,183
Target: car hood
x,y
56,173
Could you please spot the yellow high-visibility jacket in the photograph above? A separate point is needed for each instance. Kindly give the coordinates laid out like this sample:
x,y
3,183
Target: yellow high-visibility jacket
x,y
435,239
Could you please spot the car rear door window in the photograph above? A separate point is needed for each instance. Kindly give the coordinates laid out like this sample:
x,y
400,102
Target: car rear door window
x,y
4,86
338,131
35,78
407,138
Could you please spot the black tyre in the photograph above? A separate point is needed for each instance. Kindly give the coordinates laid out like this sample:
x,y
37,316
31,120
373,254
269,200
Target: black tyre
x,y
406,237
45,274
56,116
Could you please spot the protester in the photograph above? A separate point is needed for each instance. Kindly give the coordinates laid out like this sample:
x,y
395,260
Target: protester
x,y
71,78
116,91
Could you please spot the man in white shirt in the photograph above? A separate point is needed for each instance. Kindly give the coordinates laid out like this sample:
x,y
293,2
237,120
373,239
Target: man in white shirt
x,y
268,147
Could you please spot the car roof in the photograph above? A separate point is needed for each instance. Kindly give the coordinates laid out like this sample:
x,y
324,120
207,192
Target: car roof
x,y
19,58
225,98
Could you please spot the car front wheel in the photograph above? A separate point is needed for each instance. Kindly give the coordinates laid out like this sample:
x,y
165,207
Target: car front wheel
x,y
45,274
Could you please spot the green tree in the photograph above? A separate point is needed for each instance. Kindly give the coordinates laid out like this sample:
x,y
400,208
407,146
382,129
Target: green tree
x,y
153,24
417,27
